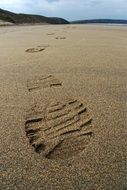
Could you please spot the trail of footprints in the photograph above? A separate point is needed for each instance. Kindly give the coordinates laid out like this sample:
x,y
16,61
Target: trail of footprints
x,y
42,82
62,129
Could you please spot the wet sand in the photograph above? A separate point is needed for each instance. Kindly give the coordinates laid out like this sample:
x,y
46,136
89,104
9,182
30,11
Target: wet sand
x,y
67,77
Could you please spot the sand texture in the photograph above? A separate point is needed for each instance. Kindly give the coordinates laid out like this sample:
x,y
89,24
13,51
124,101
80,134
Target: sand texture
x,y
63,107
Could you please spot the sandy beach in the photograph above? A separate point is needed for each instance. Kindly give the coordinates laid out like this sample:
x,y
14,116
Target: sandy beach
x,y
63,107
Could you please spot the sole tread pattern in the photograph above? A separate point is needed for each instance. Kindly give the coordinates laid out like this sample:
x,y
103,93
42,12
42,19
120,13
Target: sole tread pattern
x,y
63,130
42,82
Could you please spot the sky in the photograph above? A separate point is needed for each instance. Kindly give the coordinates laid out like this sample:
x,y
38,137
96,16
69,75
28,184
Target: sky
x,y
69,9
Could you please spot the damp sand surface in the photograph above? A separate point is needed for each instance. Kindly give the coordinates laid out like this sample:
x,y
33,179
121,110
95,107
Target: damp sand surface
x,y
63,110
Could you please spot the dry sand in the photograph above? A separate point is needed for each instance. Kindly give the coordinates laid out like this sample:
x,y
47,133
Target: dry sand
x,y
45,72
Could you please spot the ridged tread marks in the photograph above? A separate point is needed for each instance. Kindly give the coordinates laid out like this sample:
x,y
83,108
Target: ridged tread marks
x,y
42,82
63,130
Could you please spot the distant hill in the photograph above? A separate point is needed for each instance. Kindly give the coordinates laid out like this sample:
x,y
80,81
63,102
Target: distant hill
x,y
14,18
100,21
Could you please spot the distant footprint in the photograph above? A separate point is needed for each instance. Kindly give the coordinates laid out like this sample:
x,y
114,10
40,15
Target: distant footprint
x,y
34,50
60,38
37,49
61,130
50,34
42,82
